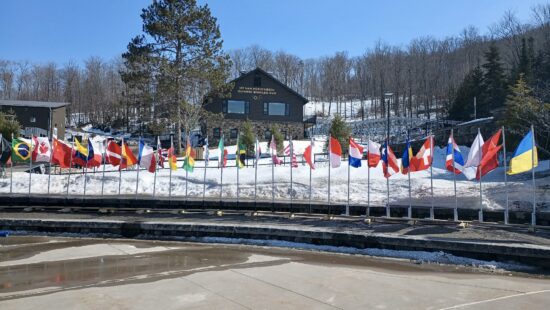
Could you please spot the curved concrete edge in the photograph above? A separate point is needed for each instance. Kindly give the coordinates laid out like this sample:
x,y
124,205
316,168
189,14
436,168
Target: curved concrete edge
x,y
534,255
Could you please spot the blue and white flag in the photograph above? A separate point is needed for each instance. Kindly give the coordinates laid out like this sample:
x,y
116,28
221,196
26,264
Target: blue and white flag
x,y
458,159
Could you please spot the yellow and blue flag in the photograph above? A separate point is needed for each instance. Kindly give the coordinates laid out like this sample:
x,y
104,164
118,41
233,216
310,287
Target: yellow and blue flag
x,y
522,160
406,158
21,150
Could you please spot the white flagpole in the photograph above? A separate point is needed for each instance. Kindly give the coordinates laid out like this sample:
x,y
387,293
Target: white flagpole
x,y
206,159
432,210
86,170
220,161
455,210
368,176
186,172
388,212
170,166
159,154
11,167
104,161
533,145
30,167
50,166
506,210
70,167
273,153
138,168
120,166
347,205
328,157
256,172
291,163
409,210
310,172
480,181
237,160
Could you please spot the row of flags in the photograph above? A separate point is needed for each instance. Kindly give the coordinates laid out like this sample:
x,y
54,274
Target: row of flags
x,y
482,158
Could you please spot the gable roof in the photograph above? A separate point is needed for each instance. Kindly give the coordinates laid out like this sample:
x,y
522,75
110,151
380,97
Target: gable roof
x,y
283,85
33,104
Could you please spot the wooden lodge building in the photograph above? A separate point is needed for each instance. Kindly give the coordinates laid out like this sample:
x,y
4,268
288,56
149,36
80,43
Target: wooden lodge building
x,y
38,118
264,101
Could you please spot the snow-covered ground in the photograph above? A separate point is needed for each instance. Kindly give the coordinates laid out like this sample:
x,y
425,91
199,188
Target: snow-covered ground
x,y
519,187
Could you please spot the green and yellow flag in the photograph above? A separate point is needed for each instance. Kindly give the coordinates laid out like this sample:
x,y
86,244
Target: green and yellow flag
x,y
189,162
241,154
21,151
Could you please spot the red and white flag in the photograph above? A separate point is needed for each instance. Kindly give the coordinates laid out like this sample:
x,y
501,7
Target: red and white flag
x,y
335,153
424,157
146,157
273,149
294,160
113,153
389,161
373,154
41,150
308,155
489,160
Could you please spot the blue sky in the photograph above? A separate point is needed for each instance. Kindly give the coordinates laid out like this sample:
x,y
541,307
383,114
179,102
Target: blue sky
x,y
63,30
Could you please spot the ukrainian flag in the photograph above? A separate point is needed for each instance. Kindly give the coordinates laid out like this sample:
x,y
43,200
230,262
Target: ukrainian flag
x,y
523,157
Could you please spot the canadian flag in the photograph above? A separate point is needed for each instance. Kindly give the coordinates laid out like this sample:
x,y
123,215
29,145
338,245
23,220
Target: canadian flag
x,y
335,153
41,150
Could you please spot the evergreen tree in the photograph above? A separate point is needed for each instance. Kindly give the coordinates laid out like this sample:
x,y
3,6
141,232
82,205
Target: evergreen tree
x,y
279,138
8,126
247,137
462,108
183,45
339,130
494,84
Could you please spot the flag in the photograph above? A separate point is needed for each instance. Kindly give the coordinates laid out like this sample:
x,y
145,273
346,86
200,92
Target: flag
x,y
273,147
308,155
335,153
61,154
240,155
373,154
146,157
189,161
206,152
113,153
172,159
489,160
41,151
161,153
424,157
83,152
406,158
389,161
128,158
355,153
293,159
5,150
522,160
222,156
21,151
474,158
459,160
258,152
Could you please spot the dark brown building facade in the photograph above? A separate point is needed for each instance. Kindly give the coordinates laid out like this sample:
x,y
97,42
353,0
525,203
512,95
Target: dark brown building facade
x,y
37,117
264,101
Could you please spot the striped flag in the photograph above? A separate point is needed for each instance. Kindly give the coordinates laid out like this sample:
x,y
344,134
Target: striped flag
x,y
294,160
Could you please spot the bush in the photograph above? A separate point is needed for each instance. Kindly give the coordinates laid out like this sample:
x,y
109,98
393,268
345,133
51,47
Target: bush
x,y
247,137
340,130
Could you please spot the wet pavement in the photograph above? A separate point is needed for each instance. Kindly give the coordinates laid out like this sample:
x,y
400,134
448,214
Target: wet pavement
x,y
74,273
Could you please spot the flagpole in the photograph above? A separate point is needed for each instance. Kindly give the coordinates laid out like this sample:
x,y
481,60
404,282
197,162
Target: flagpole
x,y
432,211
533,146
388,212
237,165
120,166
206,159
310,168
256,173
50,166
104,161
138,166
506,210
221,160
455,212
184,163
480,181
11,167
170,166
291,163
328,157
368,177
273,173
159,154
347,205
409,210
86,169
70,166
30,167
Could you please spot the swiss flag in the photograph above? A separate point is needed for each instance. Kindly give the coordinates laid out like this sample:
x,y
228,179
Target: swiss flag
x,y
424,157
490,150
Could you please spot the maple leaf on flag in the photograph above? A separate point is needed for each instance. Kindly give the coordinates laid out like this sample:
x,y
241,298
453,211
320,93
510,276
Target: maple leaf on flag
x,y
43,148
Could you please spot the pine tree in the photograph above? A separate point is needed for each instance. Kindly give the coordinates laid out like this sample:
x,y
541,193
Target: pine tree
x,y
247,137
462,108
279,138
8,126
494,84
339,130
183,46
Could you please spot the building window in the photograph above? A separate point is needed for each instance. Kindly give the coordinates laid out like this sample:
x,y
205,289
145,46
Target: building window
x,y
33,119
257,81
216,133
233,133
267,135
236,107
276,108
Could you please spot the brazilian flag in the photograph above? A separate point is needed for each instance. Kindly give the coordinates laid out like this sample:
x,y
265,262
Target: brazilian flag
x,y
21,151
241,154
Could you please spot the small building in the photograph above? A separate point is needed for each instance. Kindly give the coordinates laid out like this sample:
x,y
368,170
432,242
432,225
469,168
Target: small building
x,y
37,118
259,97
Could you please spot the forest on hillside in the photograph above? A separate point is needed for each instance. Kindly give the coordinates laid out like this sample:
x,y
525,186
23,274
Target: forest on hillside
x,y
428,77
